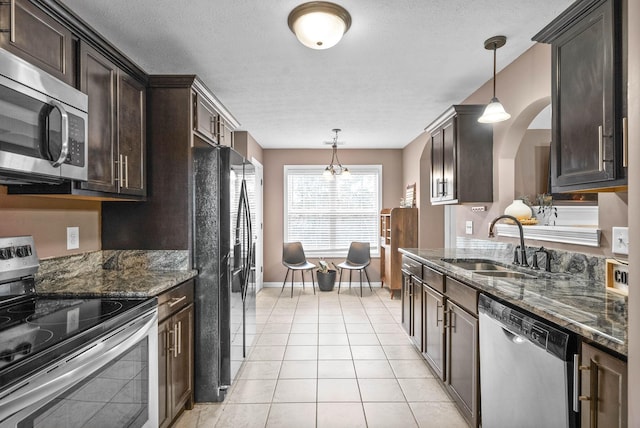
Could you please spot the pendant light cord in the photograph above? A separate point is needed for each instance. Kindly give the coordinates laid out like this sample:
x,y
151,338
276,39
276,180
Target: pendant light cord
x,y
494,70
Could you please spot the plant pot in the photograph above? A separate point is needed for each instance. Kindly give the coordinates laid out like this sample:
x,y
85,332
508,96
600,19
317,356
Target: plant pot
x,y
326,280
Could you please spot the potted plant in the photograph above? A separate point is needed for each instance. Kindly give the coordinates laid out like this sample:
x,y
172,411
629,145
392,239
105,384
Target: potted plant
x,y
546,210
326,277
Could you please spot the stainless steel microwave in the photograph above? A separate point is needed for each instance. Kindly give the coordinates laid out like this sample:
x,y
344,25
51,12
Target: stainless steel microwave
x,y
43,126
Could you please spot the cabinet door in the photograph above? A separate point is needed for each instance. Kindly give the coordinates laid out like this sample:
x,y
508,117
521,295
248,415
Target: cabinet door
x,y
449,161
434,330
164,415
31,34
131,136
407,290
98,80
437,167
462,361
225,133
416,314
604,382
181,356
584,129
205,119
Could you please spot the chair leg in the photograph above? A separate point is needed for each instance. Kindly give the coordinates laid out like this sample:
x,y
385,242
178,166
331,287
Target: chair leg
x,y
367,275
360,272
285,280
350,272
302,275
293,273
340,281
313,283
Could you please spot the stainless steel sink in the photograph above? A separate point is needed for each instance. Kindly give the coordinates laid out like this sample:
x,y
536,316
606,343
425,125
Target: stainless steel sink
x,y
489,268
477,264
505,274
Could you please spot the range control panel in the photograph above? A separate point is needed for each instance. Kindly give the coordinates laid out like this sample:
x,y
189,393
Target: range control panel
x,y
18,257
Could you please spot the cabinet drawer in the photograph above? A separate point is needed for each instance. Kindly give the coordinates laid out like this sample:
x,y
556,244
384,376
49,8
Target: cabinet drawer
x,y
175,299
463,295
412,266
433,278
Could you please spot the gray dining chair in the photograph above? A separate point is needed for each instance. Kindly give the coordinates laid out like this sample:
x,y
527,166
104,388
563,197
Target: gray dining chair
x,y
358,258
294,260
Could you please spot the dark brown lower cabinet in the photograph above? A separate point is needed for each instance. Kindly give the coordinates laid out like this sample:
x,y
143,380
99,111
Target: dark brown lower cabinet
x,y
433,347
603,389
407,291
462,361
416,314
175,352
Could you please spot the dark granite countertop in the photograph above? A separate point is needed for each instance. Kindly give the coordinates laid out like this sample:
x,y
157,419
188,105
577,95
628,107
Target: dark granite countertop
x,y
578,305
116,283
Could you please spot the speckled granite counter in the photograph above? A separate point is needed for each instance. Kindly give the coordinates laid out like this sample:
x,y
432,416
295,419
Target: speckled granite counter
x,y
579,305
114,273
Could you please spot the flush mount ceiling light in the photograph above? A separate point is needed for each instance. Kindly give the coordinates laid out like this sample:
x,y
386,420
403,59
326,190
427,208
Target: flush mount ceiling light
x,y
335,167
494,112
319,24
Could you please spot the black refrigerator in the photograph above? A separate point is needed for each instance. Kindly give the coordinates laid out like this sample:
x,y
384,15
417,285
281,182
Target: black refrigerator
x,y
225,306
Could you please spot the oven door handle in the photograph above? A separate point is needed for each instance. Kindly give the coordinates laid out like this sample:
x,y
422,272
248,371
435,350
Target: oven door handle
x,y
75,369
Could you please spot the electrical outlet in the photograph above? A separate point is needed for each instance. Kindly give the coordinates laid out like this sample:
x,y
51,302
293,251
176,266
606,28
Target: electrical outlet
x,y
620,240
478,209
468,227
73,238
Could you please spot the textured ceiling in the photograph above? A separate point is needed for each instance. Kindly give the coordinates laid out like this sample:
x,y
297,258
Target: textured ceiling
x,y
401,64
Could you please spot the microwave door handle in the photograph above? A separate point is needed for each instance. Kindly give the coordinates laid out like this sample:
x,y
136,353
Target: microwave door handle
x,y
64,133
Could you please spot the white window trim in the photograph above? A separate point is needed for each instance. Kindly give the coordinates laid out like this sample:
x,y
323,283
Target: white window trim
x,y
375,249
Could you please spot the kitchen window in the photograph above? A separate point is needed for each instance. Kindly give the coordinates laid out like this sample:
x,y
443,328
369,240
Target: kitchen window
x,y
327,214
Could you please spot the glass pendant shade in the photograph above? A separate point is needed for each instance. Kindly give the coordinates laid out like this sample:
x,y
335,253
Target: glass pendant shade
x,y
319,25
494,112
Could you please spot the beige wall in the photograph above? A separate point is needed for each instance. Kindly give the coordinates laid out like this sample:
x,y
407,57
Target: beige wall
x,y
634,207
532,163
416,159
47,220
274,162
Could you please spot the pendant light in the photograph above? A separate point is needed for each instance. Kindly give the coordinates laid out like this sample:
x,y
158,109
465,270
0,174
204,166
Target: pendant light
x,y
494,112
335,167
319,24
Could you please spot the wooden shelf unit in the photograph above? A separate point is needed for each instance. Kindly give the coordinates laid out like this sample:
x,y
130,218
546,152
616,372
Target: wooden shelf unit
x,y
398,229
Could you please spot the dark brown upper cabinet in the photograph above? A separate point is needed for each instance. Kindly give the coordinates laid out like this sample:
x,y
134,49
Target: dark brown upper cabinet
x,y
116,126
461,157
31,34
208,123
588,148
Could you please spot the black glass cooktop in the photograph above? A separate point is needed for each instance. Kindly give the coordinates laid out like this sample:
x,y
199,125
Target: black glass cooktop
x,y
36,330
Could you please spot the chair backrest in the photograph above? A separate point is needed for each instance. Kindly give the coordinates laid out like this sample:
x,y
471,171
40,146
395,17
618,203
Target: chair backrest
x,y
293,253
359,253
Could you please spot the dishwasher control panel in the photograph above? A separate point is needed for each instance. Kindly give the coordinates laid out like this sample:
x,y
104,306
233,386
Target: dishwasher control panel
x,y
526,326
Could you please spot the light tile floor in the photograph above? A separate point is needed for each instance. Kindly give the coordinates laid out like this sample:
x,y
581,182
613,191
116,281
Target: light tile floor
x,y
330,360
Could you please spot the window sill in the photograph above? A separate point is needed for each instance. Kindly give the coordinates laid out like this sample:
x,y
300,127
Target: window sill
x,y
579,235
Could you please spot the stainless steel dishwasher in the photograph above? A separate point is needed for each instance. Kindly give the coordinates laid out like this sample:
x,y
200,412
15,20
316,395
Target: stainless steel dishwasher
x,y
526,369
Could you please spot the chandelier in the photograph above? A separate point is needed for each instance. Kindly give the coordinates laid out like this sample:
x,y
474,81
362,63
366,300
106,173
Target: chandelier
x,y
335,167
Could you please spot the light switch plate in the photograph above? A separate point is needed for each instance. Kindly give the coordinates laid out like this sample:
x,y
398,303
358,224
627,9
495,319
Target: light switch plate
x,y
73,238
468,227
620,240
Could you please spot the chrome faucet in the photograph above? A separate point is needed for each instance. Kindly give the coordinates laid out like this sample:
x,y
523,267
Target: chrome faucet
x,y
523,250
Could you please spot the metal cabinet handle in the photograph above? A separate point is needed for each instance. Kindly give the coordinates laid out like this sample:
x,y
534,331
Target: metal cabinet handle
x,y
176,300
600,149
12,19
126,171
221,129
120,178
438,320
179,337
444,187
446,316
172,340
437,187
212,125
593,369
625,142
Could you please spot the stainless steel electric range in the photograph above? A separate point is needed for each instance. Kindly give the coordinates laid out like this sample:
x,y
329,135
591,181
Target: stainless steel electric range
x,y
72,361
